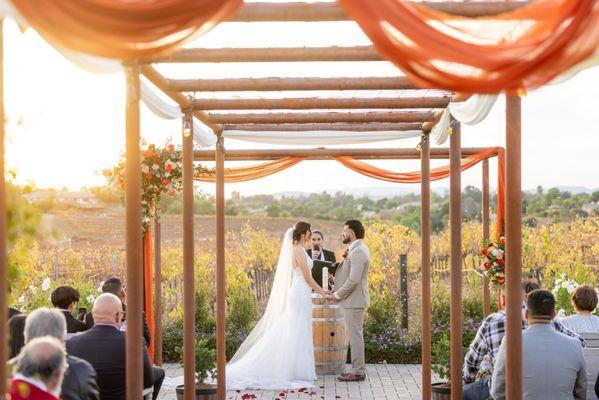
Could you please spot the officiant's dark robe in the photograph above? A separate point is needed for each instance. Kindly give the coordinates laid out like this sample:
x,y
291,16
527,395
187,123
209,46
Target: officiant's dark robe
x,y
328,255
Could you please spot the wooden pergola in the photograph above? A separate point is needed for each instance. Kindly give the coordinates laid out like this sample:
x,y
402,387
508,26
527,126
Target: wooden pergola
x,y
416,110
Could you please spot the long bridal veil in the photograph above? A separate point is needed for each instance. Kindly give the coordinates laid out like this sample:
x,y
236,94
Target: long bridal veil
x,y
277,301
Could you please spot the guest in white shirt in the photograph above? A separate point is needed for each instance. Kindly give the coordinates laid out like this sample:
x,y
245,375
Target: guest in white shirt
x,y
584,300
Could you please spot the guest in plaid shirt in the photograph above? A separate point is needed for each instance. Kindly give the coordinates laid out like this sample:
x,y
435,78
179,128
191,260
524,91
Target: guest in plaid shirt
x,y
479,361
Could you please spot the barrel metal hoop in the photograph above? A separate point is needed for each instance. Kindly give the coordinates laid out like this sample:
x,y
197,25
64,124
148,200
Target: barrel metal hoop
x,y
328,319
329,363
331,348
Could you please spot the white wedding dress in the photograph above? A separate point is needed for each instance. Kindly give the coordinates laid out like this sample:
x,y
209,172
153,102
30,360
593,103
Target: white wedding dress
x,y
279,353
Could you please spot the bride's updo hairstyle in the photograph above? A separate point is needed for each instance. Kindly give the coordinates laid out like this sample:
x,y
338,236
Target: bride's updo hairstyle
x,y
299,229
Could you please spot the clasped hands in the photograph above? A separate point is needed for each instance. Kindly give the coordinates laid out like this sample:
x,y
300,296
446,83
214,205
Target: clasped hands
x,y
328,294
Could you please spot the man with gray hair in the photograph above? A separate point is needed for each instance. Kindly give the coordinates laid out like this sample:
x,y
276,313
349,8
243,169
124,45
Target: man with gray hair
x,y
80,378
39,371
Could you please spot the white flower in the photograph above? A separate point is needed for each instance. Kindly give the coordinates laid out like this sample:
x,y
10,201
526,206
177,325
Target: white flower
x,y
46,284
145,169
155,167
564,275
565,285
21,299
32,289
167,174
90,299
561,313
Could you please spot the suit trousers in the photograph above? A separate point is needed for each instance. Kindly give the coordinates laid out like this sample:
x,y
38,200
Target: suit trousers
x,y
354,325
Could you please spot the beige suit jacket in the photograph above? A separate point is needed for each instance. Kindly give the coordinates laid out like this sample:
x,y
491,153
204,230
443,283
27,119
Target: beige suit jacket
x,y
351,278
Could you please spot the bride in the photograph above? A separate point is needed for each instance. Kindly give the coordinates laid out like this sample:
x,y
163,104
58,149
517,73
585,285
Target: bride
x,y
278,353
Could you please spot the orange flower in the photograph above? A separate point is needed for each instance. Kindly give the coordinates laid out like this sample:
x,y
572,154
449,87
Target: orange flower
x,y
148,153
165,182
168,167
171,148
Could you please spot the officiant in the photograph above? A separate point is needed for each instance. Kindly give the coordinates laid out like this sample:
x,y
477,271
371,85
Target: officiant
x,y
317,252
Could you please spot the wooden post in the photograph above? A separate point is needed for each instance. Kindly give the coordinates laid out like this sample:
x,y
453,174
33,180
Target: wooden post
x,y
513,249
485,216
425,257
403,289
134,244
188,268
3,244
157,295
455,218
221,279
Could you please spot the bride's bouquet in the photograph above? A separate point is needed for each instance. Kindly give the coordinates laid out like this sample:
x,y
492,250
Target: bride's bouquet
x,y
493,253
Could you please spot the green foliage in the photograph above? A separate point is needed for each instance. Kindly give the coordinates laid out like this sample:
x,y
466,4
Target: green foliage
x,y
205,360
441,350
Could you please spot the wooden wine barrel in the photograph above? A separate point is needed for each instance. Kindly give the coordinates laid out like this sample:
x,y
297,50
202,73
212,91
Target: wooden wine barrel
x,y
329,335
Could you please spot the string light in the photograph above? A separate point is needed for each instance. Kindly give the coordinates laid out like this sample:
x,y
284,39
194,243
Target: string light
x,y
421,143
187,127
452,126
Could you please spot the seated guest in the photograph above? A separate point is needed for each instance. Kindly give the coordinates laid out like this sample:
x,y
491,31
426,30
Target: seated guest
x,y
584,300
79,381
317,252
115,286
480,358
12,312
553,366
103,346
65,298
39,372
16,338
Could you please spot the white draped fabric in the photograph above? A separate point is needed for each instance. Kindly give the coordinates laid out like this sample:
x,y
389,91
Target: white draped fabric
x,y
202,135
323,138
469,112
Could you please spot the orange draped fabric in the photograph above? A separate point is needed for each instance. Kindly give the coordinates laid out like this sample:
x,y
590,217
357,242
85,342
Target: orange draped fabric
x,y
242,174
123,29
437,174
148,288
522,49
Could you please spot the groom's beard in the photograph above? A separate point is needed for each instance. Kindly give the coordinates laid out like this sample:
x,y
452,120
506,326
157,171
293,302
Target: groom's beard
x,y
346,240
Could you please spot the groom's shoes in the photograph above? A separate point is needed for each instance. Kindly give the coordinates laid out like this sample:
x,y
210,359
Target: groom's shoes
x,y
351,378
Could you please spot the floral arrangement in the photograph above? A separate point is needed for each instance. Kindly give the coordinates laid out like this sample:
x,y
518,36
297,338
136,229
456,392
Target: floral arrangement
x,y
494,261
161,173
563,288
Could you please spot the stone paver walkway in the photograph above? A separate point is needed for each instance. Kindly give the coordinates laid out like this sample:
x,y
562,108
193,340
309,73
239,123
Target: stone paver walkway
x,y
384,382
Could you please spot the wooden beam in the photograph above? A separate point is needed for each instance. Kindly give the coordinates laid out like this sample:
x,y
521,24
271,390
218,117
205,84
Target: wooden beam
x,y
425,262
3,233
455,226
321,117
221,278
326,154
513,248
331,11
157,293
456,98
321,103
162,83
271,54
276,84
188,269
355,127
486,234
134,245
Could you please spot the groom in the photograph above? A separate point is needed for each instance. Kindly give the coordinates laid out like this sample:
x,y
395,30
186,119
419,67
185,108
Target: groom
x,y
351,284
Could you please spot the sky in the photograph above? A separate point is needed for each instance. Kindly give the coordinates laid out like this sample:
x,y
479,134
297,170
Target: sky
x,y
64,125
